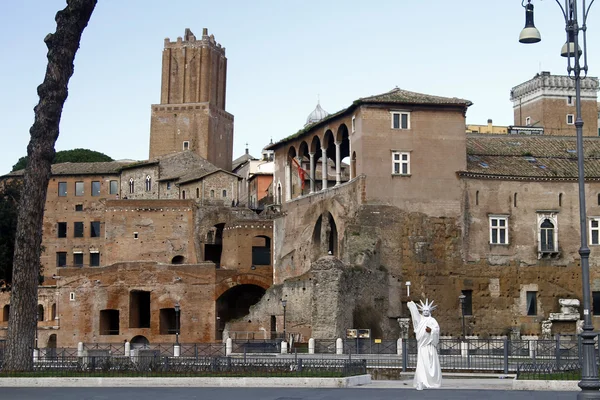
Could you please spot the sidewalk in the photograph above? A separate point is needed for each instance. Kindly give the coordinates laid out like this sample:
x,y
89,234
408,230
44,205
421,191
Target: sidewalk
x,y
450,381
479,382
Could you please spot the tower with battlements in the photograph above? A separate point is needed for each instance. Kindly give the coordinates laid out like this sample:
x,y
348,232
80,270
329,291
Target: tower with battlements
x,y
191,115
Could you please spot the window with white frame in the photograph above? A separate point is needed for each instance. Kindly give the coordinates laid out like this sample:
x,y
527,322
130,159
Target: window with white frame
x,y
131,185
528,121
595,231
400,120
353,123
186,145
547,232
498,229
148,183
400,163
570,119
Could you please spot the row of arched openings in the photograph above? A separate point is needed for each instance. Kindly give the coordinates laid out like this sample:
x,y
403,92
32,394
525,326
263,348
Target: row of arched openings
x,y
318,163
40,313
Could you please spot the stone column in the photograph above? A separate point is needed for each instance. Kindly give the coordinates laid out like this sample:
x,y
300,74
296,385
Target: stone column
x,y
338,164
312,172
324,165
288,182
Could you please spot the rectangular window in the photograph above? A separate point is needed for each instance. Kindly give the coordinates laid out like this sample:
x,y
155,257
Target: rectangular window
x,y
353,124
400,163
78,229
400,120
95,229
531,303
94,259
468,302
62,229
498,230
78,188
168,185
61,259
62,189
570,119
569,100
78,207
114,187
78,259
186,145
595,232
95,188
224,193
595,303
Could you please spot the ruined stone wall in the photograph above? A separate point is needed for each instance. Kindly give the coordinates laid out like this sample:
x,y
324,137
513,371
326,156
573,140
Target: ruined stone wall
x,y
149,230
238,240
210,189
293,235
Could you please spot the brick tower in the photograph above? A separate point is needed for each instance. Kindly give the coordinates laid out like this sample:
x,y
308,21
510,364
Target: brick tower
x,y
191,114
548,101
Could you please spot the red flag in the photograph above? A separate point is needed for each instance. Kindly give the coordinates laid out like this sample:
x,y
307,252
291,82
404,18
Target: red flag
x,y
301,172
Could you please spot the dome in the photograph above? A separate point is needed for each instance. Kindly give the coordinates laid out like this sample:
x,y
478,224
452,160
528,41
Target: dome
x,y
317,115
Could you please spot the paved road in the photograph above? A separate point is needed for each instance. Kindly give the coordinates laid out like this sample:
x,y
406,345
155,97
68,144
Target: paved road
x,y
271,394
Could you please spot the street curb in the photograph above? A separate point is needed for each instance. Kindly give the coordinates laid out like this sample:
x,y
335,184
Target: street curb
x,y
350,381
546,385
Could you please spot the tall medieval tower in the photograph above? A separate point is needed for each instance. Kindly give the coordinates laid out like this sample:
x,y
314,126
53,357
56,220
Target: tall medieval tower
x,y
191,115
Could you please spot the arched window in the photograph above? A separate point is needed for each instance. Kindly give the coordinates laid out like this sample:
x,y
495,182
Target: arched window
x,y
148,183
547,236
212,193
130,185
560,200
279,193
40,313
224,193
197,193
183,194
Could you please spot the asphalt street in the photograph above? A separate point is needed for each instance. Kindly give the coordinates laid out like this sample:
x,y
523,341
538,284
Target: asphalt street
x,y
271,394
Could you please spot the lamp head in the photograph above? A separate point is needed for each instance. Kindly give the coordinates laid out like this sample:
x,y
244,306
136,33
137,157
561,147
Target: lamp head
x,y
284,303
570,48
530,33
177,307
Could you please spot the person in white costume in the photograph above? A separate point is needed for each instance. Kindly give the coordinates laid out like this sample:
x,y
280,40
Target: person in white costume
x,y
428,373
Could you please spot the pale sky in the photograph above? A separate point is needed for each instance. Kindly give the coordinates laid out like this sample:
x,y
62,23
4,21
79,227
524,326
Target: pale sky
x,y
282,55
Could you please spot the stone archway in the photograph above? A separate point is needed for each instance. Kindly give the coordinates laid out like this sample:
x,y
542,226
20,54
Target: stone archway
x,y
325,237
139,342
235,303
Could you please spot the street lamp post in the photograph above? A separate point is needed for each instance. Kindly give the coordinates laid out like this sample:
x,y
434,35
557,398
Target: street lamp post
x,y
177,311
461,298
589,383
284,304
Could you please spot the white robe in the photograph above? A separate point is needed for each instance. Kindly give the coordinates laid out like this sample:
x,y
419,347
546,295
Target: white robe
x,y
429,372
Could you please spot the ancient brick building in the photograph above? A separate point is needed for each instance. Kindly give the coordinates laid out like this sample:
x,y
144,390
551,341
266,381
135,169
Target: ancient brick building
x,y
387,191
492,217
125,242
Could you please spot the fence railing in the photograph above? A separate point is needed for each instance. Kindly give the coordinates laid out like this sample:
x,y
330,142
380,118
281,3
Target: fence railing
x,y
491,355
155,366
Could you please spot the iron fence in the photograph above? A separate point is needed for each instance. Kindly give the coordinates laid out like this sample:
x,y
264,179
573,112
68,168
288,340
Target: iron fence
x,y
157,366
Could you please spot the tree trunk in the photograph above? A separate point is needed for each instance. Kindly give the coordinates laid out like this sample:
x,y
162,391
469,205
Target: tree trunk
x,y
62,46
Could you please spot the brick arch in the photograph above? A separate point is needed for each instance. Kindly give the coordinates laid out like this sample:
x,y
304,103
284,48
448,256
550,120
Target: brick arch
x,y
241,279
